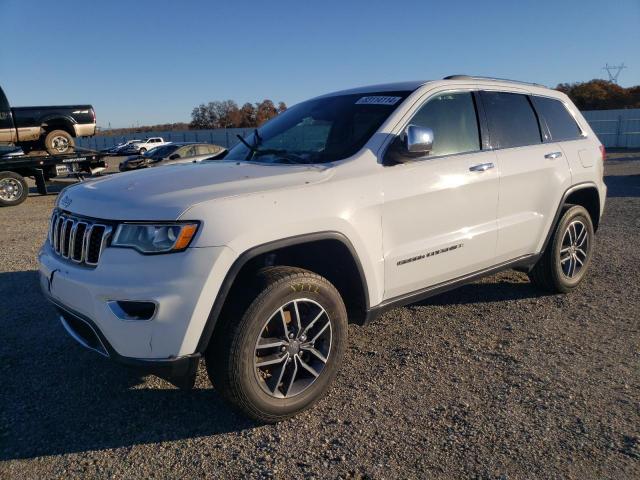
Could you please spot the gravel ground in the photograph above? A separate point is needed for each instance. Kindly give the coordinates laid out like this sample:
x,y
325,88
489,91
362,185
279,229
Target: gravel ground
x,y
493,380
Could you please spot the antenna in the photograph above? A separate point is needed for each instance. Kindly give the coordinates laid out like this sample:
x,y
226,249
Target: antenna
x,y
614,71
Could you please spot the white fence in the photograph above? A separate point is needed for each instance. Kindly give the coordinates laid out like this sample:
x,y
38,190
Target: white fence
x,y
226,137
616,128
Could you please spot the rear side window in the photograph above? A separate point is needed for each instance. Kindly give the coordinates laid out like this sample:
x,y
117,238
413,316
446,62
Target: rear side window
x,y
452,117
562,125
511,120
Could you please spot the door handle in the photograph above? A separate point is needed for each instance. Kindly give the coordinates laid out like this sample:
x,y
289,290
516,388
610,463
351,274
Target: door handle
x,y
553,155
481,167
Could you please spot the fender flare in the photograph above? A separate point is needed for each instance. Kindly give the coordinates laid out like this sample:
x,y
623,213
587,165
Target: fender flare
x,y
232,273
67,120
563,201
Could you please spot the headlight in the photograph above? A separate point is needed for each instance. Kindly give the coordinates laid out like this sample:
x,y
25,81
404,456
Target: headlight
x,y
149,238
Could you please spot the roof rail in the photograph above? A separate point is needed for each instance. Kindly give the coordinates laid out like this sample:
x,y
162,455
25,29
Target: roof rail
x,y
476,77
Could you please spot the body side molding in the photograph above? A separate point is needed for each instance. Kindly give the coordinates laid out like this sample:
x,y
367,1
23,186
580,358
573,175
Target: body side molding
x,y
424,293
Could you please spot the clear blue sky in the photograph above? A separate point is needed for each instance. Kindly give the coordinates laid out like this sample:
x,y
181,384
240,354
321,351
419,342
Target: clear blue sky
x,y
152,61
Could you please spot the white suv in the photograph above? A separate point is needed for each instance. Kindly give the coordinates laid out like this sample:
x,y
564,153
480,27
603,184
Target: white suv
x,y
338,209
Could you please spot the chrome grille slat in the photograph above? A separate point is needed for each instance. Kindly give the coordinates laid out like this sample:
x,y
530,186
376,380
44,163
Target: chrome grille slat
x,y
67,232
82,226
58,227
77,239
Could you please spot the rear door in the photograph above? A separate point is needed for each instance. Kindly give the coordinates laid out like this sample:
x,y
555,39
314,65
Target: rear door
x,y
7,129
581,152
533,174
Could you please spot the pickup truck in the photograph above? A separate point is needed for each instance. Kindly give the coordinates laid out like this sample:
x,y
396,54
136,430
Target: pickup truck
x,y
143,146
55,126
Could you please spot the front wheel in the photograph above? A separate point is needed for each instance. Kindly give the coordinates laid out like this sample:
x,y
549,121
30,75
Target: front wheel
x,y
142,151
13,189
279,356
564,263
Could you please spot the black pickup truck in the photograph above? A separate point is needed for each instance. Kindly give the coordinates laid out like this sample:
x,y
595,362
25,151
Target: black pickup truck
x,y
52,127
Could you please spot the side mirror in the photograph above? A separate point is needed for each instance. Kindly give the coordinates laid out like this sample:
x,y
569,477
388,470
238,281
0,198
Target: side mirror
x,y
418,139
414,143
174,156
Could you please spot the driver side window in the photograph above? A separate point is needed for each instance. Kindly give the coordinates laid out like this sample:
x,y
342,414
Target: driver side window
x,y
453,119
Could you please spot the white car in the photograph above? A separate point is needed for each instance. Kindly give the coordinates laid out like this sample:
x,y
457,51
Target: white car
x,y
141,146
335,211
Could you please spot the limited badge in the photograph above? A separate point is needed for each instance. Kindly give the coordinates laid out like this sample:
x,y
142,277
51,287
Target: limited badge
x,y
378,100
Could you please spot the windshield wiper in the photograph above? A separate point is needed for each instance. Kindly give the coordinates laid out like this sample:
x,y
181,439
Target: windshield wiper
x,y
253,148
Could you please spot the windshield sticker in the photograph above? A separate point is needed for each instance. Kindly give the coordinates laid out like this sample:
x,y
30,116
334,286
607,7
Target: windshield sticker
x,y
378,100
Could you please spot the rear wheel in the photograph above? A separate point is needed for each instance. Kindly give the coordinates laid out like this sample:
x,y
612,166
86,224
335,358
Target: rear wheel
x,y
13,189
565,261
58,142
279,356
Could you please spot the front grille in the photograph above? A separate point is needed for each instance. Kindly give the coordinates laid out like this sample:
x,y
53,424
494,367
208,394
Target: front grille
x,y
78,239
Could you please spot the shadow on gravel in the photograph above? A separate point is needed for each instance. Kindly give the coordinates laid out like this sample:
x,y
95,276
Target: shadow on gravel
x,y
623,185
58,398
485,292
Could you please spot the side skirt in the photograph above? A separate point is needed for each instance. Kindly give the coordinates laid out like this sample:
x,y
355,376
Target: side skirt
x,y
523,263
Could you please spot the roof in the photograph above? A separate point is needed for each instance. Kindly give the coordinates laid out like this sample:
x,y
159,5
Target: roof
x,y
383,87
414,85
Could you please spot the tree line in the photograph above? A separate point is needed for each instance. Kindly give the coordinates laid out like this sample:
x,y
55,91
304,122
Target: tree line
x,y
591,95
227,114
601,95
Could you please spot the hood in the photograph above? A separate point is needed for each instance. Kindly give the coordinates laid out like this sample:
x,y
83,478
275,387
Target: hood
x,y
165,193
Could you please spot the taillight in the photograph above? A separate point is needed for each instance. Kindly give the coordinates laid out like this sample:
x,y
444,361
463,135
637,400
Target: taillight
x,y
93,112
603,152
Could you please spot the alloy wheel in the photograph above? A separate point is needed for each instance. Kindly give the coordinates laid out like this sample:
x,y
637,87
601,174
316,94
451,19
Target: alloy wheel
x,y
574,248
293,348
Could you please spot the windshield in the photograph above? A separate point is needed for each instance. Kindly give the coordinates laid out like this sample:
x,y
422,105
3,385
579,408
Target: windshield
x,y
162,151
317,131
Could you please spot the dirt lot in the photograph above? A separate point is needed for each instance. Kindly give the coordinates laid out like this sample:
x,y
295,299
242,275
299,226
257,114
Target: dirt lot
x,y
493,380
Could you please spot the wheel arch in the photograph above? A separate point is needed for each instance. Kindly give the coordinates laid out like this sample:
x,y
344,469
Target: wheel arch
x,y
344,271
58,122
584,194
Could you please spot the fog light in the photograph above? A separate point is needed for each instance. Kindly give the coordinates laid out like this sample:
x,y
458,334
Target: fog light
x,y
132,310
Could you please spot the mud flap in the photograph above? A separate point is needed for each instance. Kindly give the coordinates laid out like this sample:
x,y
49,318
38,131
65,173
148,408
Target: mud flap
x,y
41,184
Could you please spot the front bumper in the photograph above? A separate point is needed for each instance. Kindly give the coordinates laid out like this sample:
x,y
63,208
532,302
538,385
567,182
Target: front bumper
x,y
182,285
87,334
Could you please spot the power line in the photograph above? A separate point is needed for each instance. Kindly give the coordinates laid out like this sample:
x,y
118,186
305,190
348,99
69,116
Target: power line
x,y
614,71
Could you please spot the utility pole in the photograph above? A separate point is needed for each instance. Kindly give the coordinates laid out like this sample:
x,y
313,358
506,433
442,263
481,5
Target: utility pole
x,y
614,71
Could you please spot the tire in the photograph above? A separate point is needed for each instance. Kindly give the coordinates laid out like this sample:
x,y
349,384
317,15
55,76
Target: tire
x,y
13,189
142,151
565,261
272,392
58,142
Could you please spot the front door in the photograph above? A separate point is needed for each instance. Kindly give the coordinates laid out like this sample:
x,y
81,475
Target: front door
x,y
439,212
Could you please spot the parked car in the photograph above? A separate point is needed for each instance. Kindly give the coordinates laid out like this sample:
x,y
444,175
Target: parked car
x,y
170,154
116,149
335,211
54,127
143,145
